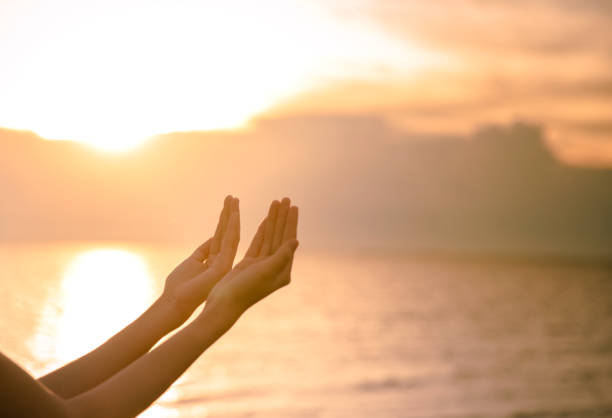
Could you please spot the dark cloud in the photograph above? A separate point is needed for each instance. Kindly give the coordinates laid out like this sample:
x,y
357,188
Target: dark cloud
x,y
603,127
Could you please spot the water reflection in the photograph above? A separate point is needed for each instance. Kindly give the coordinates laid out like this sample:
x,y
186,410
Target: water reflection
x,y
101,291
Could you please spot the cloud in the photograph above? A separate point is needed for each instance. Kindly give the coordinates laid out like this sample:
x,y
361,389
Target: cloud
x,y
87,70
548,62
431,67
543,27
359,183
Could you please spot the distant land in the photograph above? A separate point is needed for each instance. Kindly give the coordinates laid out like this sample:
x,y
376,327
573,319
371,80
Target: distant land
x,y
359,183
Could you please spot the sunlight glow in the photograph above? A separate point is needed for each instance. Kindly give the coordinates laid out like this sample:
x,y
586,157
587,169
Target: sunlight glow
x,y
102,291
115,73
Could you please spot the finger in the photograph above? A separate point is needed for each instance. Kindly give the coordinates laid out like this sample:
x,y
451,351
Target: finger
x,y
281,219
269,233
290,231
231,238
223,217
257,240
201,253
281,258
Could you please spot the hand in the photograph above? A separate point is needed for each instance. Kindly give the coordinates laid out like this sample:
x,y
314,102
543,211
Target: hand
x,y
266,266
191,281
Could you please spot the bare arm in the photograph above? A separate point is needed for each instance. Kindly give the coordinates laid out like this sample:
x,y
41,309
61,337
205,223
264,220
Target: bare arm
x,y
265,268
136,387
112,356
186,288
23,396
128,392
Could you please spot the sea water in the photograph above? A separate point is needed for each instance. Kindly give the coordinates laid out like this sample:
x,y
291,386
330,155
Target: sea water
x,y
354,335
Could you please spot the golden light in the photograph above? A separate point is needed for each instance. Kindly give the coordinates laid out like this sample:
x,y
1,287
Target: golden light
x,y
115,73
102,291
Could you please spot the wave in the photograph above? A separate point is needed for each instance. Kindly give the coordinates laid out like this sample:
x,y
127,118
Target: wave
x,y
388,383
602,411
216,396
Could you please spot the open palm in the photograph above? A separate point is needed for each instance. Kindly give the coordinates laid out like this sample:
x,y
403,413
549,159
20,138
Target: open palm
x,y
267,264
189,284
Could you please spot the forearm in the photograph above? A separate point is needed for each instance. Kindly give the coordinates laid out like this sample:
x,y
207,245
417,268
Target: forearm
x,y
115,354
134,388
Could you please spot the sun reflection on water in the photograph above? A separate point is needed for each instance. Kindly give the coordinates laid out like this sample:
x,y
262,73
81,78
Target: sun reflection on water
x,y
101,291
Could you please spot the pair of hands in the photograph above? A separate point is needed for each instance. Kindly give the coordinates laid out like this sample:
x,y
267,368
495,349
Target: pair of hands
x,y
116,379
208,274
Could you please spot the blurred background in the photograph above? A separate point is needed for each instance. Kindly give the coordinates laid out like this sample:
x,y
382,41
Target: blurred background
x,y
452,162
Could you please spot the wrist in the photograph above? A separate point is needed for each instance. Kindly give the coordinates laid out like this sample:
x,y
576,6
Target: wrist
x,y
217,318
166,313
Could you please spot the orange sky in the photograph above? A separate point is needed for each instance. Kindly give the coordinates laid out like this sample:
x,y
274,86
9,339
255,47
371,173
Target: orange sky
x,y
114,72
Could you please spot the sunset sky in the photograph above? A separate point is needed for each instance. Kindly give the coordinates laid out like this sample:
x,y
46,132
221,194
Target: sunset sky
x,y
452,165
113,73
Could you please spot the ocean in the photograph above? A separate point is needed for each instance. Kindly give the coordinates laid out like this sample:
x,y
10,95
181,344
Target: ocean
x,y
354,335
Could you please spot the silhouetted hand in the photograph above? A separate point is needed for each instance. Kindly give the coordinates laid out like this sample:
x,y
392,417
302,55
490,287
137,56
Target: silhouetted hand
x,y
266,266
191,281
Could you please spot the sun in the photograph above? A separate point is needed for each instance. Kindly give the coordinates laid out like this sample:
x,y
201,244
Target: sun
x,y
116,143
113,75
